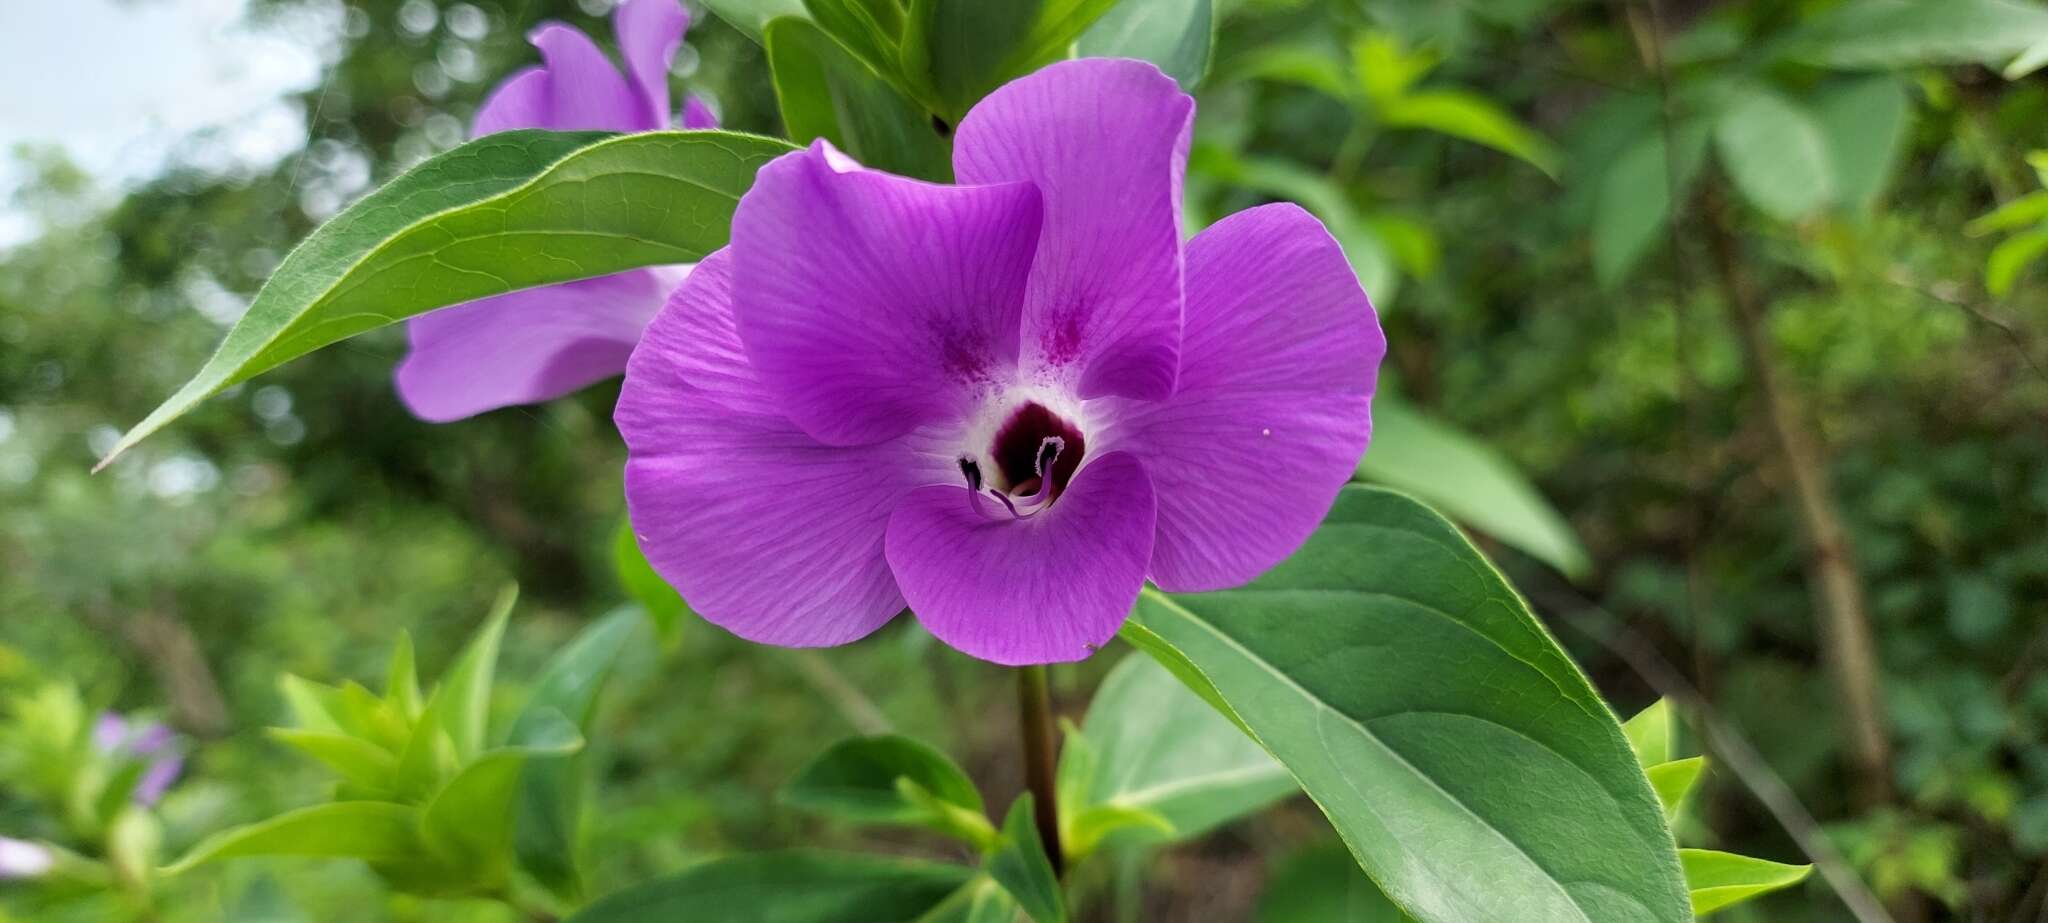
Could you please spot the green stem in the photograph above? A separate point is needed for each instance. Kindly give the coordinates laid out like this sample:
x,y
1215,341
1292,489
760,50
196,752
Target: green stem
x,y
1034,711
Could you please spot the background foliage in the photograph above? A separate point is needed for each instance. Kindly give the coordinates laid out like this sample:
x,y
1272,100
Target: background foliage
x,y
1499,173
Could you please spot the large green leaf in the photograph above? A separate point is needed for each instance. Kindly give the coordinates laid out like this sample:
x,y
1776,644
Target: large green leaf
x,y
1865,122
1177,35
786,887
752,16
503,212
863,779
1151,745
1322,884
1891,34
550,805
824,93
1633,203
1019,863
1719,879
1465,760
1775,152
963,49
1469,480
468,823
369,830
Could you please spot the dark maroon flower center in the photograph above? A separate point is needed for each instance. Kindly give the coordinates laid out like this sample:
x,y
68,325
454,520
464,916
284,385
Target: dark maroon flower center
x,y
1021,446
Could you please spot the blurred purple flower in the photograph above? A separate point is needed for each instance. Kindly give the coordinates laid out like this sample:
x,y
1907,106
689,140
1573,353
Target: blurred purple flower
x,y
20,859
535,345
151,744
1006,402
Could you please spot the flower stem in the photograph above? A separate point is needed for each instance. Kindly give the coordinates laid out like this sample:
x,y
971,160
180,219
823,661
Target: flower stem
x,y
1034,712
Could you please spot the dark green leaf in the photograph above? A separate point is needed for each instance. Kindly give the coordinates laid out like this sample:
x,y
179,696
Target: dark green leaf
x,y
1396,674
1775,153
1719,879
370,830
1634,202
665,606
1019,863
860,780
1469,480
1177,35
785,887
752,16
503,212
468,823
964,49
1865,123
550,806
824,93
1322,884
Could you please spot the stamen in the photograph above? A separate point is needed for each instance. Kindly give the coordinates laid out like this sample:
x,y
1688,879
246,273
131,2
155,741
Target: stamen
x,y
971,470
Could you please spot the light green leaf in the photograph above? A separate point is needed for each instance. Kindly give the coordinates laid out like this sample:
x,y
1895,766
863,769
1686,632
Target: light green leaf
x,y
503,212
1322,884
1301,65
315,706
1719,879
1283,179
2029,61
1083,830
1019,863
2026,211
1469,480
1674,779
751,17
1395,673
1474,118
1159,751
464,694
2012,257
1893,34
824,93
786,887
1865,123
401,679
859,779
1651,734
1177,35
664,606
468,823
979,901
963,49
550,807
362,763
1633,204
370,830
1775,153
1386,69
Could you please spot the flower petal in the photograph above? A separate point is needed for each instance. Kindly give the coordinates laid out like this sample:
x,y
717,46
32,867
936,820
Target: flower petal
x,y
528,346
649,32
1050,588
521,101
873,303
1106,140
584,91
763,530
697,113
1278,366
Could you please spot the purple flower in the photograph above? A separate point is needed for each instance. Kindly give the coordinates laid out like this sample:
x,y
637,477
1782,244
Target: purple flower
x,y
152,744
21,859
539,344
1007,402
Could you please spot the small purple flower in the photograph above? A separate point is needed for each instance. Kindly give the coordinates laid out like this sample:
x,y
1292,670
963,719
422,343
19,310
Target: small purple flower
x,y
1008,402
152,744
539,344
21,859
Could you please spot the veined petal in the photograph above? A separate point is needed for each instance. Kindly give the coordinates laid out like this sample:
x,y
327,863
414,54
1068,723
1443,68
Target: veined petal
x,y
528,346
584,91
1106,142
1278,367
765,532
649,32
872,303
1049,588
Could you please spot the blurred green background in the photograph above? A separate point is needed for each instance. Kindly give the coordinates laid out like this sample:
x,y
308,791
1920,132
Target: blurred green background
x,y
1532,299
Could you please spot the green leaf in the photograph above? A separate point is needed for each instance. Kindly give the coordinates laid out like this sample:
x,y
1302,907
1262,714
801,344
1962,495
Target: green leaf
x,y
1474,118
2032,59
2026,211
1177,35
1673,780
2012,257
369,830
786,887
315,706
1775,152
966,48
1395,674
1719,879
1651,734
1322,884
1283,179
1019,863
979,901
1865,123
751,17
859,780
464,694
824,93
664,606
1300,65
1159,751
853,26
401,679
468,823
1894,34
503,212
360,762
550,807
1633,204
1468,479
